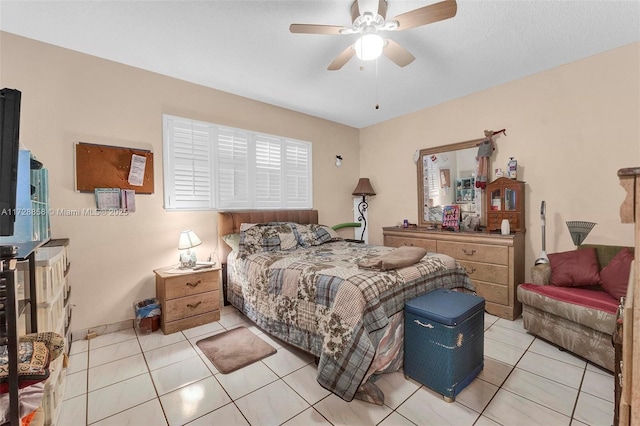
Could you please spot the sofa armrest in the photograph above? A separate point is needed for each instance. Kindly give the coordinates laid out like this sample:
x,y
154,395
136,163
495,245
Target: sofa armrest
x,y
541,274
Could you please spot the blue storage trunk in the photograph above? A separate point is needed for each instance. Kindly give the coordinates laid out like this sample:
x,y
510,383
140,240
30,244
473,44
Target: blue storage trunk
x,y
444,340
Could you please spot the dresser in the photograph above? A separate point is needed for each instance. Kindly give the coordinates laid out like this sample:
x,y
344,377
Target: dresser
x,y
494,262
188,299
628,368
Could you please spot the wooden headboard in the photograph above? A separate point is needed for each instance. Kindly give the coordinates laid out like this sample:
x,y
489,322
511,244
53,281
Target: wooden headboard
x,y
229,222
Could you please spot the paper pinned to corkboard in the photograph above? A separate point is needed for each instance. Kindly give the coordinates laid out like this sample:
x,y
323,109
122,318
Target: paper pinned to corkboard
x,y
105,166
136,171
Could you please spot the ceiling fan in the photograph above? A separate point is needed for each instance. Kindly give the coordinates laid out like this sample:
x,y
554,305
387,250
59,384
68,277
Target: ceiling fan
x,y
369,19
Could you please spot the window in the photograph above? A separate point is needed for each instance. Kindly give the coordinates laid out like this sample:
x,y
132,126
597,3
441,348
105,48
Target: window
x,y
208,166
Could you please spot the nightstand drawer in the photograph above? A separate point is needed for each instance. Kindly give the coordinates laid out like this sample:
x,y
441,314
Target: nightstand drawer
x,y
190,284
189,322
189,306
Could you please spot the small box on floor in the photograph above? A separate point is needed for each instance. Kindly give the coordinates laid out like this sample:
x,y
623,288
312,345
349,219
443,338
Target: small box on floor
x,y
444,340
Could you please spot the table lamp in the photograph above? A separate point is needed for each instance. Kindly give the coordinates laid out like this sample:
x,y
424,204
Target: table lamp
x,y
188,240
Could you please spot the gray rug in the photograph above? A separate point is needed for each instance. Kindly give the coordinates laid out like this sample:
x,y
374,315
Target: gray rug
x,y
234,349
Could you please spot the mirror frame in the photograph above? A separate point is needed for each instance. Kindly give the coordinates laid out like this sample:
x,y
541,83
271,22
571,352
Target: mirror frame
x,y
419,165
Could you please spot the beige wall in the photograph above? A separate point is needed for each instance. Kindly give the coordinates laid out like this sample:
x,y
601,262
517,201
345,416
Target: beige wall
x,y
570,128
69,97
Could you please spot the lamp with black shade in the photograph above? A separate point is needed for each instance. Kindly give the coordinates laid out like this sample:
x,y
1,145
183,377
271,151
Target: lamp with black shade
x,y
188,240
363,188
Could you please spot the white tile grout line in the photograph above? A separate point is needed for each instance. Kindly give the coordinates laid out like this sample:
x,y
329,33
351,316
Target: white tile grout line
x,y
313,405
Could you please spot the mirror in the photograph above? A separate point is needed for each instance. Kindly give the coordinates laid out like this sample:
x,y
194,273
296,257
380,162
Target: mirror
x,y
509,199
446,176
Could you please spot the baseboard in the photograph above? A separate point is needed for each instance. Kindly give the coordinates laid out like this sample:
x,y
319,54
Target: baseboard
x,y
101,329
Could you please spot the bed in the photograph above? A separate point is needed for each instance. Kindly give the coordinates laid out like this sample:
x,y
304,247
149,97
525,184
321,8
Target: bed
x,y
301,283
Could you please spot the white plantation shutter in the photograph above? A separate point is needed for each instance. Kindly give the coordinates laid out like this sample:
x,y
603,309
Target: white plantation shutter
x,y
268,170
187,165
297,175
232,147
208,166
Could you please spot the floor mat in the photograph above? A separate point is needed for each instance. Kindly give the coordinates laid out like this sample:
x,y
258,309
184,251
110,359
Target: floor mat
x,y
234,349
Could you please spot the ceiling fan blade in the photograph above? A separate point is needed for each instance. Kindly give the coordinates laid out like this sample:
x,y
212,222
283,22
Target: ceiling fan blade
x,y
342,59
382,8
315,29
397,53
427,15
355,11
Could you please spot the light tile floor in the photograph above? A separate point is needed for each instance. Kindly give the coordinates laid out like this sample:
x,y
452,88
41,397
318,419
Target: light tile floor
x,y
126,379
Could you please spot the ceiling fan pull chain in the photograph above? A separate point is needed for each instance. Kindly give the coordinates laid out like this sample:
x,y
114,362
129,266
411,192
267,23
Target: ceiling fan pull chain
x,y
377,104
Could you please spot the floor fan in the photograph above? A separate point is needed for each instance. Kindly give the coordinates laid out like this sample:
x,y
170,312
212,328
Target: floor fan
x,y
543,258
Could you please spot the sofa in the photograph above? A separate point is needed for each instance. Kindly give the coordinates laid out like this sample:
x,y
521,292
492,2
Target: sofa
x,y
573,300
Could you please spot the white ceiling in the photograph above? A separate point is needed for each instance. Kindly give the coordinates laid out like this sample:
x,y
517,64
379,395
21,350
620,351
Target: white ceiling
x,y
245,47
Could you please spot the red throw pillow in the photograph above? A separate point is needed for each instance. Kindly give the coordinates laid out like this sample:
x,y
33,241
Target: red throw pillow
x,y
615,276
574,268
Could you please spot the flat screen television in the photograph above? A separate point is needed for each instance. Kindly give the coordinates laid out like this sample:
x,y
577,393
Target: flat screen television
x,y
9,147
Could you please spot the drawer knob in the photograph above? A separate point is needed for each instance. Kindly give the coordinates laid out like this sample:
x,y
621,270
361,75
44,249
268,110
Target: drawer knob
x,y
468,252
193,284
193,305
471,271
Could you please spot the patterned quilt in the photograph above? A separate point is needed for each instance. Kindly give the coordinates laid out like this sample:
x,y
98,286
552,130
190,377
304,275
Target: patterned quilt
x,y
318,299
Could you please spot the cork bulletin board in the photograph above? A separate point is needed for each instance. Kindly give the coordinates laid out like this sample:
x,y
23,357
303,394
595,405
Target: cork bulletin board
x,y
105,166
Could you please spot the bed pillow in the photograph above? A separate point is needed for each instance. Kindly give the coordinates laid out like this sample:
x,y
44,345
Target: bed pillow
x,y
615,276
574,268
314,235
255,238
233,241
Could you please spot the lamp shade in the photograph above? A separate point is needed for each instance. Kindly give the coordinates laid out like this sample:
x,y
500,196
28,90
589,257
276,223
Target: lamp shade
x,y
188,239
364,187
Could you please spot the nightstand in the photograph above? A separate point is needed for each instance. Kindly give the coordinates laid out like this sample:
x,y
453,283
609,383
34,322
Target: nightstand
x,y
188,298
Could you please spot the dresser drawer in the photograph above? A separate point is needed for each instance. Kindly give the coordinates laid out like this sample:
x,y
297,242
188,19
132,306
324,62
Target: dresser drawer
x,y
498,255
498,274
391,241
190,306
187,285
492,292
494,220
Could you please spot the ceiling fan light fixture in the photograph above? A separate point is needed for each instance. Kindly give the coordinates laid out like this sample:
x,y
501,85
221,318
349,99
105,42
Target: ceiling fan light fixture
x,y
369,47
